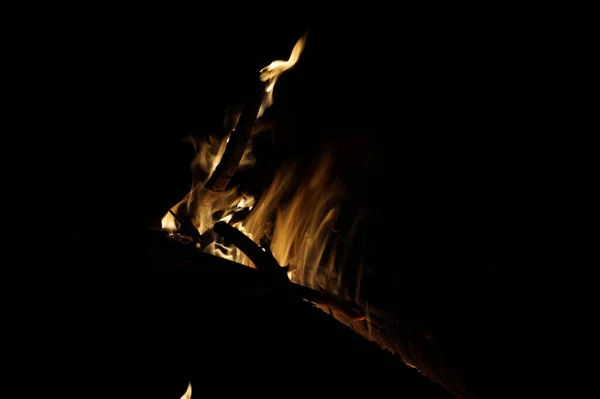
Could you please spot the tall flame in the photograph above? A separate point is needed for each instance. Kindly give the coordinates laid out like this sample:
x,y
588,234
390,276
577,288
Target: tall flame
x,y
271,72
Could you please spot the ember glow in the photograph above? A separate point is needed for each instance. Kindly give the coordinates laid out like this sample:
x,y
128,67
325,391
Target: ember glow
x,y
294,214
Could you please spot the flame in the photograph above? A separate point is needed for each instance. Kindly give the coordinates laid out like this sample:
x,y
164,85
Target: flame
x,y
271,72
188,392
209,152
295,213
302,225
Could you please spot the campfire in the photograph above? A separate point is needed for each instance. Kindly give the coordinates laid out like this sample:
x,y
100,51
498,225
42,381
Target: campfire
x,y
287,232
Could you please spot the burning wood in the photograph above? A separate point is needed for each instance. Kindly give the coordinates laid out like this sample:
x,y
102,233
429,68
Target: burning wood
x,y
201,203
268,275
261,257
187,231
225,223
188,392
300,235
264,261
204,198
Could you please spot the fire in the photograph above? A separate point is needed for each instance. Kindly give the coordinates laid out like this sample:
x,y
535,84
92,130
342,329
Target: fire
x,y
209,152
271,72
300,233
188,392
295,214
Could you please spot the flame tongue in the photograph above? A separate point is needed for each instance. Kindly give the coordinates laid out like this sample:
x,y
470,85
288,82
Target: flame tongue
x,y
188,392
271,72
202,201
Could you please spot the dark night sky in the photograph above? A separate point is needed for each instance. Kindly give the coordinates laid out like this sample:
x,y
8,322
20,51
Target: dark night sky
x,y
430,98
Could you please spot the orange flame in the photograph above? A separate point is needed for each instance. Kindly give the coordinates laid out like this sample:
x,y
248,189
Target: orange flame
x,y
271,72
296,212
209,153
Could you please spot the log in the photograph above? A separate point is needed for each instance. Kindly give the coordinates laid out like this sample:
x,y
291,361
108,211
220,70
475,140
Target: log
x,y
238,141
435,354
382,323
160,314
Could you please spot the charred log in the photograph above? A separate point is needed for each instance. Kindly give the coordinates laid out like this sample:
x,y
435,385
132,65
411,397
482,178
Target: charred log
x,y
186,228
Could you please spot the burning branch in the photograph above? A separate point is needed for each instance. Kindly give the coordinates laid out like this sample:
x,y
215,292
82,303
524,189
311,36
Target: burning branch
x,y
265,262
262,259
186,228
197,220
